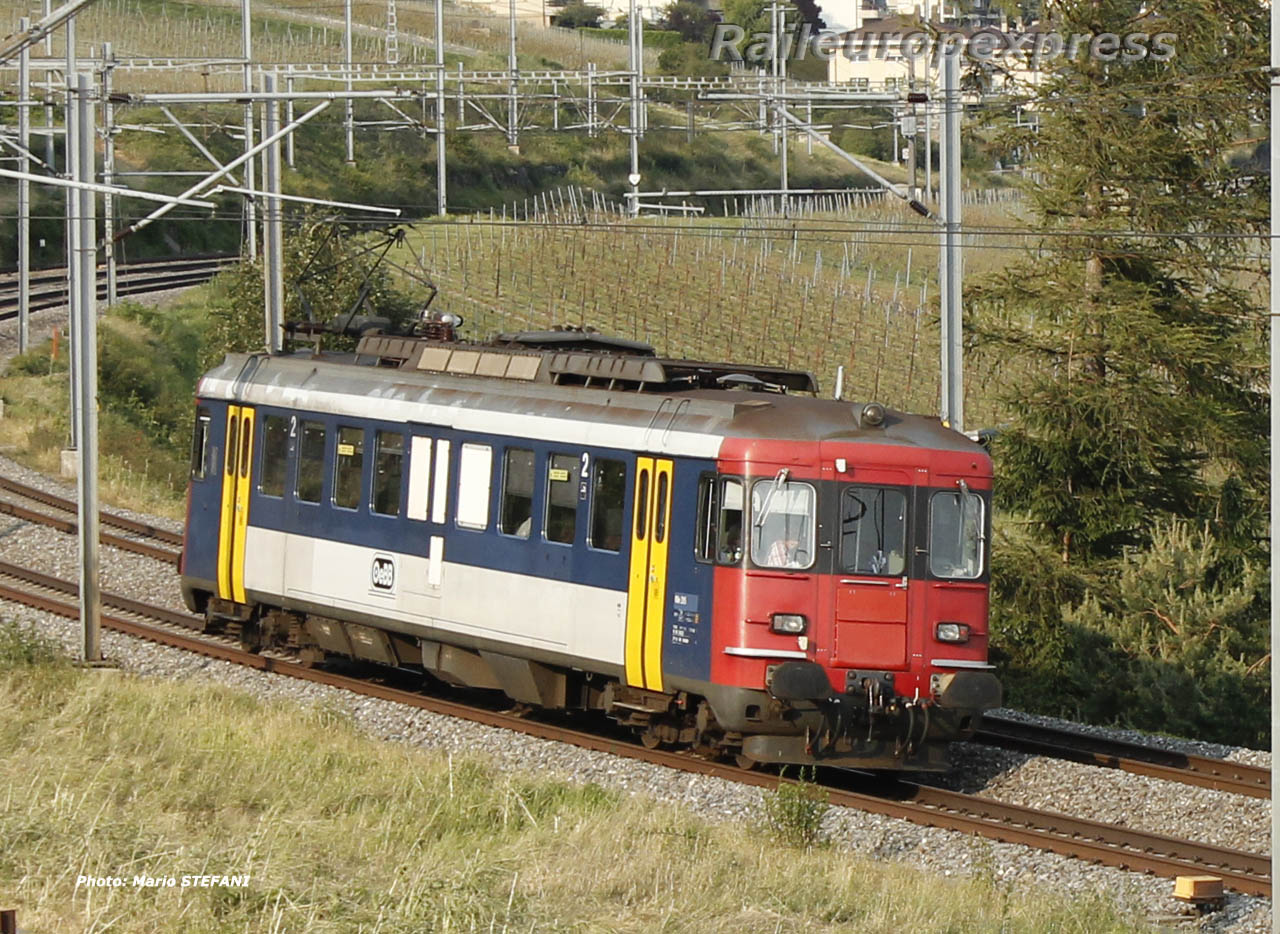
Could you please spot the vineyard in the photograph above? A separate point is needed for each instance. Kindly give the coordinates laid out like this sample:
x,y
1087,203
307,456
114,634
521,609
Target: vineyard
x,y
285,33
810,293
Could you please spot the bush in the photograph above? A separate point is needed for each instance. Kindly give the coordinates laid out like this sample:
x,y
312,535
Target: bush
x,y
1170,637
653,38
794,811
575,15
24,647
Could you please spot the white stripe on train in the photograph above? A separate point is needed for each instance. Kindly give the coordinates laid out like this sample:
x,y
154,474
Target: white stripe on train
x,y
511,424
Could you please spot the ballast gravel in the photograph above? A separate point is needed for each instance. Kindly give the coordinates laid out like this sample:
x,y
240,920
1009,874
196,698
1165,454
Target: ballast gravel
x,y
1099,794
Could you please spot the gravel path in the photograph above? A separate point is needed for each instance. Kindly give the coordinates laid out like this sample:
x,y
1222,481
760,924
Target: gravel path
x,y
1101,794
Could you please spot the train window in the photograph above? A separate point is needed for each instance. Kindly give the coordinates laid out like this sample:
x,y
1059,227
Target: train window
x,y
419,477
561,520
782,524
729,523
275,455
440,492
348,465
388,462
517,493
660,508
719,536
956,534
873,531
246,440
704,541
229,469
642,504
609,492
475,468
200,443
311,462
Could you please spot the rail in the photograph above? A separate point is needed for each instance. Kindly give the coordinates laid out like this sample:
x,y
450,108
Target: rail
x,y
1137,758
48,287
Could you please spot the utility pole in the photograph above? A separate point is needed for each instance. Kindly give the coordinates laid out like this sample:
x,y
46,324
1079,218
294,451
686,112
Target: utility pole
x,y
348,121
73,165
442,204
778,26
912,129
513,129
108,173
949,266
633,117
1275,446
288,117
24,194
250,179
87,400
273,267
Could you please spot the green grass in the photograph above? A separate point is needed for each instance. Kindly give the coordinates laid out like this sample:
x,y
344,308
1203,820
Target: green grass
x,y
110,775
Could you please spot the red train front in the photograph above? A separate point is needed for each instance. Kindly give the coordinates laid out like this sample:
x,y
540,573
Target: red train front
x,y
851,584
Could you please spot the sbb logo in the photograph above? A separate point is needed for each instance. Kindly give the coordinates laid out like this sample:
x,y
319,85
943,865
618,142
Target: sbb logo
x,y
383,575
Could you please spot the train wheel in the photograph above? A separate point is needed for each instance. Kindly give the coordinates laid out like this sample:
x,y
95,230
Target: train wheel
x,y
743,761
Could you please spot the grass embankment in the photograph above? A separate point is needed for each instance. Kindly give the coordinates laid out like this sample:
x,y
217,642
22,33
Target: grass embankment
x,y
110,775
149,361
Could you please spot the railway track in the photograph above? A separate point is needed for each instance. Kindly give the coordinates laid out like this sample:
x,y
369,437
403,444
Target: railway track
x,y
49,286
1140,759
1107,844
60,513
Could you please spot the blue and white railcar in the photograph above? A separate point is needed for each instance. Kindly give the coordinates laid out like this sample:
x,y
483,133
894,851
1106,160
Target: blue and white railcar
x,y
562,522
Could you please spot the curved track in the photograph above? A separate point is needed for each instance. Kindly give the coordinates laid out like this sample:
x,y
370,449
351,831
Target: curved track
x,y
49,286
1102,843
147,539
1152,761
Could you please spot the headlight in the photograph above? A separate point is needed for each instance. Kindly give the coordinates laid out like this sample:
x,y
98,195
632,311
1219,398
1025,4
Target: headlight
x,y
952,632
792,623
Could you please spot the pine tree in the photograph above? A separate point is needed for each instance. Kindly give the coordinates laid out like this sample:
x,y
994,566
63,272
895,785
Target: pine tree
x,y
1131,340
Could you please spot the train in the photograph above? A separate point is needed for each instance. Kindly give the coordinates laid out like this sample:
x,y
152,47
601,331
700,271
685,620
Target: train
x,y
708,553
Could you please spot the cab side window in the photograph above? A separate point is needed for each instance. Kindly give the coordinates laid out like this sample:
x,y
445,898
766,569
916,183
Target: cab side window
x,y
729,522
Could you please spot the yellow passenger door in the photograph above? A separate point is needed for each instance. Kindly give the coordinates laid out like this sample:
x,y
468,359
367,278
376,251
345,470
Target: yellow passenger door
x,y
236,479
647,589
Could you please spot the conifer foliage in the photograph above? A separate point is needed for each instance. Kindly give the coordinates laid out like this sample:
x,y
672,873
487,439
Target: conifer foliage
x,y
1131,346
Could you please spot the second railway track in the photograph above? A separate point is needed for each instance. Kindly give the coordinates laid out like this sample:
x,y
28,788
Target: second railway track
x,y
48,288
1107,844
60,513
1137,758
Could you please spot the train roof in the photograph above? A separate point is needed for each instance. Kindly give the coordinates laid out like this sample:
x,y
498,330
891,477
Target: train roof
x,y
609,397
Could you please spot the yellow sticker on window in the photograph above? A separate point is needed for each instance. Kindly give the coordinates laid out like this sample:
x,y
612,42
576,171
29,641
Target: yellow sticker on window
x,y
558,474
346,450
